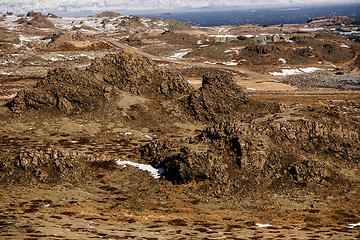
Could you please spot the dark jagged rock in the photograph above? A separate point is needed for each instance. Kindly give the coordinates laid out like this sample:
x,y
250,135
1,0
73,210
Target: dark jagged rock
x,y
51,15
139,76
129,21
218,97
299,153
75,91
45,166
33,14
40,21
182,164
263,49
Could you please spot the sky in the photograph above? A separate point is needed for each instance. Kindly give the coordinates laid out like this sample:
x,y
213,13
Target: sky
x,y
137,6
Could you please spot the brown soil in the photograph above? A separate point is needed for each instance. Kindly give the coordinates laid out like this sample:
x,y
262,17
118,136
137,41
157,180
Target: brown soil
x,y
285,154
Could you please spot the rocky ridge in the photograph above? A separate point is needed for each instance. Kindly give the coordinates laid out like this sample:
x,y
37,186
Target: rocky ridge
x,y
246,145
73,91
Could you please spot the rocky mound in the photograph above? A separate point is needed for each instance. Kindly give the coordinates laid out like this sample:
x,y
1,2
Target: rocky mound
x,y
59,39
140,76
337,20
133,21
263,49
271,155
178,26
257,54
334,53
108,14
75,91
106,82
38,20
33,14
74,42
218,97
44,166
221,98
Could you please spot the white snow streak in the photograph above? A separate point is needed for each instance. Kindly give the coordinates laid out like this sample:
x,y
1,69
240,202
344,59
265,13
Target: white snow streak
x,y
180,54
155,173
288,72
263,225
354,225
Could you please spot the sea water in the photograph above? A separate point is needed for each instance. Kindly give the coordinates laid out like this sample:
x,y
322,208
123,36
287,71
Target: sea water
x,y
262,16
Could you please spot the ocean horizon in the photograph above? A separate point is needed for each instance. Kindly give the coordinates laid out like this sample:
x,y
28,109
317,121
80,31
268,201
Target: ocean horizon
x,y
262,16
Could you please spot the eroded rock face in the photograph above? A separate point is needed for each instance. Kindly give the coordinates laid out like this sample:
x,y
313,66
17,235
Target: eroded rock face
x,y
263,49
272,154
139,76
73,91
218,97
40,21
45,166
65,90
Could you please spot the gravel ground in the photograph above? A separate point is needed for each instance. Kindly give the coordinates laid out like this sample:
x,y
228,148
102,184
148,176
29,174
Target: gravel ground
x,y
324,80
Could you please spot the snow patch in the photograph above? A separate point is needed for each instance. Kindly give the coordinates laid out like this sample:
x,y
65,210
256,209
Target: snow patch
x,y
84,55
282,60
22,38
195,81
310,29
155,173
6,62
207,62
6,73
180,54
310,69
354,225
231,63
288,72
263,225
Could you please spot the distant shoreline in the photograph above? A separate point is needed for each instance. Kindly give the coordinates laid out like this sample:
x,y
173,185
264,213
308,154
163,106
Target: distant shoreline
x,y
262,16
217,16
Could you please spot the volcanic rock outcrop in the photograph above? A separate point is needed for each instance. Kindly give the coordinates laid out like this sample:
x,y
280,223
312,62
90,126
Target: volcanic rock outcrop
x,y
74,91
39,20
219,96
44,166
246,144
271,154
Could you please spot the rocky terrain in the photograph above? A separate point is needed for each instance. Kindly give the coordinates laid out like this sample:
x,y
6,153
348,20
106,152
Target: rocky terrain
x,y
118,127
